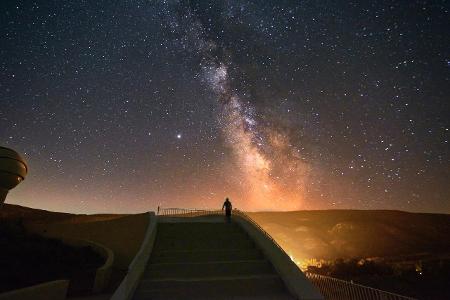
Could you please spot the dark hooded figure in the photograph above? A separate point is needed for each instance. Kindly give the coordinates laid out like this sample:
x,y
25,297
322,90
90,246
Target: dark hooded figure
x,y
228,207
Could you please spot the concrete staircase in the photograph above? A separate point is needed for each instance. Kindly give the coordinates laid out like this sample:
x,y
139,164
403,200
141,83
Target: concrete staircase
x,y
208,260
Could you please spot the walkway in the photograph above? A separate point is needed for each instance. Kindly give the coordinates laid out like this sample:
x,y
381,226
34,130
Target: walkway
x,y
206,258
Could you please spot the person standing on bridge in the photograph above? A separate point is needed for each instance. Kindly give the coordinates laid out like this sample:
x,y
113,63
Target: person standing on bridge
x,y
228,207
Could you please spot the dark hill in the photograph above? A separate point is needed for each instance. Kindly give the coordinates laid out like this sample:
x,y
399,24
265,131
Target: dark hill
x,y
332,234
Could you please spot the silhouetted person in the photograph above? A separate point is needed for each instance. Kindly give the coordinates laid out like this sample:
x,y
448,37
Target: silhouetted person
x,y
228,207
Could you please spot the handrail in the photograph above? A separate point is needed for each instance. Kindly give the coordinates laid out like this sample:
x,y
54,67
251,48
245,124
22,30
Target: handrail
x,y
186,212
248,218
337,289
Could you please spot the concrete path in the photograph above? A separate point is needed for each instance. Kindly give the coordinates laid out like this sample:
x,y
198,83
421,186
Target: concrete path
x,y
206,258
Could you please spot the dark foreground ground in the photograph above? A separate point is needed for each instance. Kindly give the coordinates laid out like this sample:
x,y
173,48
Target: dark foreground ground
x,y
28,259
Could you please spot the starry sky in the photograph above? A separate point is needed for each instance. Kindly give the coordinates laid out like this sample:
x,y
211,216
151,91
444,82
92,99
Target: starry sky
x,y
121,106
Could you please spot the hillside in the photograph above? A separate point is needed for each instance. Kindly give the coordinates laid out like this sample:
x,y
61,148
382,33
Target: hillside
x,y
33,215
333,234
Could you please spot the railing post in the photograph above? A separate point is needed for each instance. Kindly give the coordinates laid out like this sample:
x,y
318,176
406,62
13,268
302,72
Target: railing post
x,y
347,291
360,292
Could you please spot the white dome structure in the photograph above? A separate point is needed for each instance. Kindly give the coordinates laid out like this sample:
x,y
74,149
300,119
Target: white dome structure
x,y
13,170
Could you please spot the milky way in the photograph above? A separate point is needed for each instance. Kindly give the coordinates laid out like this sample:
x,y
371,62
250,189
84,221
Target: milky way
x,y
254,168
121,107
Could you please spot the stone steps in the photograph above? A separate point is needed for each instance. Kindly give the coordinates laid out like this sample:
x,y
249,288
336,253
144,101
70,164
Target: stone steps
x,y
200,236
224,237
208,269
242,287
200,245
205,255
197,227
193,260
205,236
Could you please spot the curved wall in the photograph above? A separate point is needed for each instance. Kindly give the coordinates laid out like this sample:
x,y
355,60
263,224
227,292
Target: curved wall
x,y
295,281
136,269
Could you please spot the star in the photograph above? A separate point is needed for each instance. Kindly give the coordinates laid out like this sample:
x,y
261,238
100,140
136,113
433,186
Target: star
x,y
273,105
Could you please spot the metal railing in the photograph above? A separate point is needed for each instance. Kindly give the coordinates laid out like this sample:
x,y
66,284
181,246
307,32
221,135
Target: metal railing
x,y
186,212
331,288
336,289
251,221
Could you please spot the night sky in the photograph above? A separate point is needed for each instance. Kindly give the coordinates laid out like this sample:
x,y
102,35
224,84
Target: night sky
x,y
121,106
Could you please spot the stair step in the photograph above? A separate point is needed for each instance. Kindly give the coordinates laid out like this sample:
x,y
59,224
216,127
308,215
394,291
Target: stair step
x,y
183,295
204,256
203,235
196,236
197,227
239,287
194,227
201,260
163,238
208,269
211,244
